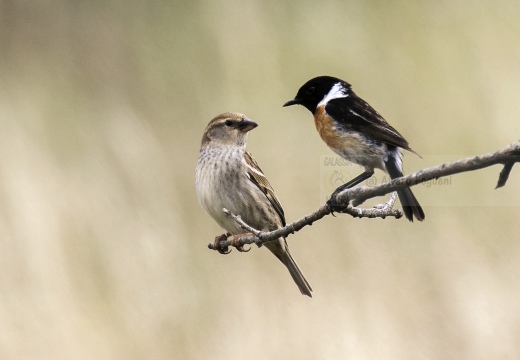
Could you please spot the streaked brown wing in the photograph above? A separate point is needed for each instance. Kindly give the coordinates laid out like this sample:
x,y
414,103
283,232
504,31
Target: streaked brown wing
x,y
258,178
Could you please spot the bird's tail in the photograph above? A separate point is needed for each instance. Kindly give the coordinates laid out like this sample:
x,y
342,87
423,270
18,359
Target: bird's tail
x,y
410,204
281,251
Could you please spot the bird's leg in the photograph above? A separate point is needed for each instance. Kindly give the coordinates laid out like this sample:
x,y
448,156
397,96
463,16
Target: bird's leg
x,y
358,179
216,244
332,202
235,242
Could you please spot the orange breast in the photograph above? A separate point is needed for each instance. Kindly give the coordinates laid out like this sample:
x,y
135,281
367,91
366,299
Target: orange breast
x,y
324,124
338,140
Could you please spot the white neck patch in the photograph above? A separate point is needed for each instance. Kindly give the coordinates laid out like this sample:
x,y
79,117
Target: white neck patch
x,y
336,92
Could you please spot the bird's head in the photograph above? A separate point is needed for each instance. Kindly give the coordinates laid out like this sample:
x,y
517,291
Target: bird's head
x,y
228,129
319,90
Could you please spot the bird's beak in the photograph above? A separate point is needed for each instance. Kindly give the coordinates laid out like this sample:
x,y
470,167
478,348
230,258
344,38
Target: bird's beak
x,y
246,125
292,102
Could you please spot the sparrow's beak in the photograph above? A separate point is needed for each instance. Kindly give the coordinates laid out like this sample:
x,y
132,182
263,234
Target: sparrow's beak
x,y
292,102
246,125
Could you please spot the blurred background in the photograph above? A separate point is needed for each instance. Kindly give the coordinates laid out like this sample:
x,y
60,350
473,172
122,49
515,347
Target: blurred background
x,y
103,246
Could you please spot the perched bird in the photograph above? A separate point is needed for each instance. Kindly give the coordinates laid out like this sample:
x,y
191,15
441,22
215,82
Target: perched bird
x,y
356,132
227,176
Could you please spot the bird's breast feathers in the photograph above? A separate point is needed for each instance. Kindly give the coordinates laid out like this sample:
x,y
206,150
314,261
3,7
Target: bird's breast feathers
x,y
222,181
351,145
216,171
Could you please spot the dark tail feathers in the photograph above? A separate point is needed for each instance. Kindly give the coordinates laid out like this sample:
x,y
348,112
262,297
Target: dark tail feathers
x,y
410,204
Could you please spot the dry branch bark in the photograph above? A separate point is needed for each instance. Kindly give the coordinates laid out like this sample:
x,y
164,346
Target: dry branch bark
x,y
353,197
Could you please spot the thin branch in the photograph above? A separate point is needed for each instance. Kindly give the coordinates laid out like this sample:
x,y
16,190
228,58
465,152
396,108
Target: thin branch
x,y
260,237
507,156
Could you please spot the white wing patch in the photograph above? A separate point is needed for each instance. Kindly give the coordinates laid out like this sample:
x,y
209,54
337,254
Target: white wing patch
x,y
336,92
355,113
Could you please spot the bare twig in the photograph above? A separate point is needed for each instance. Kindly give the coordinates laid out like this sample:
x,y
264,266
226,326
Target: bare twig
x,y
260,237
378,211
241,223
507,156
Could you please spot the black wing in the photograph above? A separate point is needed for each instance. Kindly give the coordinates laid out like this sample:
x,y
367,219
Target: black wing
x,y
356,114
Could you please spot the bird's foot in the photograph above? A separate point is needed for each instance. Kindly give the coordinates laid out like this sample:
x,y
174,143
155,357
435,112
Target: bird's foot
x,y
236,242
224,250
336,206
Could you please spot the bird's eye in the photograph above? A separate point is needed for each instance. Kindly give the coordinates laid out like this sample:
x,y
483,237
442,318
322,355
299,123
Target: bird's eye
x,y
228,123
310,90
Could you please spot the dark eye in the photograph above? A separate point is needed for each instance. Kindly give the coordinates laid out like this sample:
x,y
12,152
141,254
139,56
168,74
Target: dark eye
x,y
228,123
310,90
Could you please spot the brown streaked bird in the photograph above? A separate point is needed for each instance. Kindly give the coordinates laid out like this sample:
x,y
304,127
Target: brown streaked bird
x,y
227,176
356,132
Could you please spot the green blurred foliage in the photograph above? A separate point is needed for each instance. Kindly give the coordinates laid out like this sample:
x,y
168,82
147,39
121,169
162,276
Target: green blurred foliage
x,y
103,245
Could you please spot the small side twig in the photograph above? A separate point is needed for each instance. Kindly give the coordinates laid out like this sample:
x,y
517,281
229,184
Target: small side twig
x,y
241,223
381,210
504,174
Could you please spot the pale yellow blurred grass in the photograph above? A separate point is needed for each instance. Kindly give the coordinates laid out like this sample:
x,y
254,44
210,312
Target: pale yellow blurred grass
x,y
103,245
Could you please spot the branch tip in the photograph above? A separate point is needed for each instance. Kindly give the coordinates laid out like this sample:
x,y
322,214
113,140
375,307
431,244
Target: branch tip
x,y
504,174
